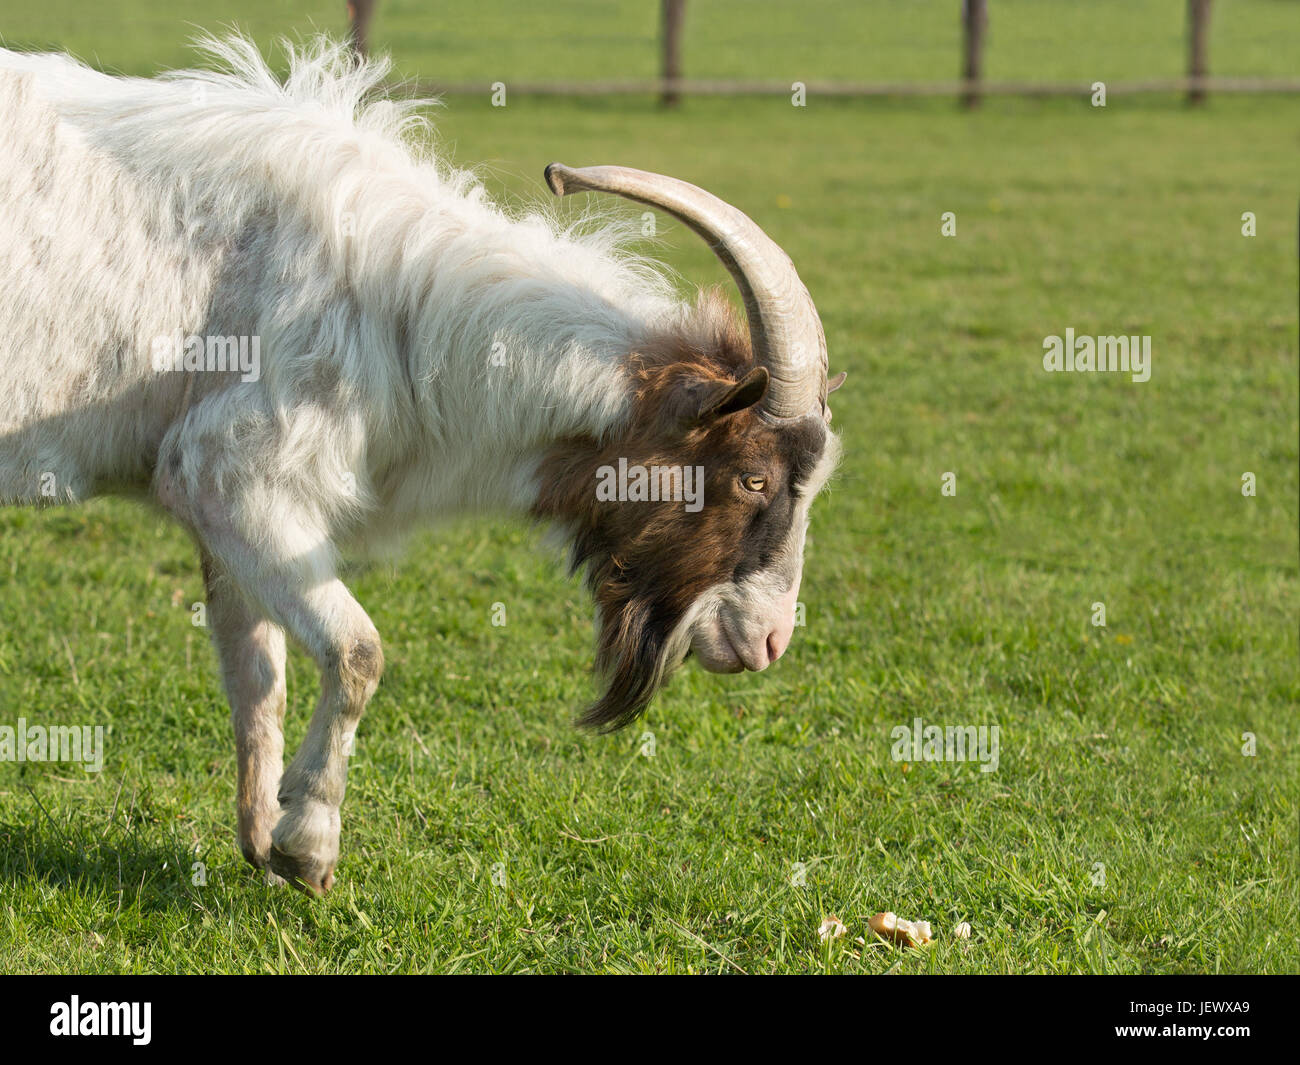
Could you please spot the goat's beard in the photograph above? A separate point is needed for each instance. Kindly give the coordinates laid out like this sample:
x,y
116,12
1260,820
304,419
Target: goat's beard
x,y
645,619
638,647
640,643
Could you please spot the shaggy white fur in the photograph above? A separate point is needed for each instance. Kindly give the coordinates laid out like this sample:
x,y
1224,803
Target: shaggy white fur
x,y
417,342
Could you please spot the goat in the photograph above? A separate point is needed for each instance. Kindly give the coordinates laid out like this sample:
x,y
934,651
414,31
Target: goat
x,y
261,307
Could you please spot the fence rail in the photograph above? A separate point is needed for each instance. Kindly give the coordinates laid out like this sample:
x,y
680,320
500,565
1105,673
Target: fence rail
x,y
970,88
660,87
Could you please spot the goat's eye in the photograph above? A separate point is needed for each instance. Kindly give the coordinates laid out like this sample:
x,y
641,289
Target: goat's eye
x,y
753,482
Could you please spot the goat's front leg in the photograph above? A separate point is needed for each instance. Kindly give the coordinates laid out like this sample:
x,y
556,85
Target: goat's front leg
x,y
286,568
251,650
320,613
344,642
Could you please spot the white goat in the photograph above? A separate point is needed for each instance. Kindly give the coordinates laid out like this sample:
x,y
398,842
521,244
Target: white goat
x,y
258,306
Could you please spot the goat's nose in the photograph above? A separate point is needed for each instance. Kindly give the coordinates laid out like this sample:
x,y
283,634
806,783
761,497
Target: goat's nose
x,y
777,641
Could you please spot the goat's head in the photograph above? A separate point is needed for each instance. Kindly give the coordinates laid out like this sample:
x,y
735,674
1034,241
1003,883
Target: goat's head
x,y
691,520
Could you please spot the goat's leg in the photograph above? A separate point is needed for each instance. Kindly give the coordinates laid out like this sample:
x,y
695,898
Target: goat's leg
x,y
315,608
320,613
343,640
281,561
251,651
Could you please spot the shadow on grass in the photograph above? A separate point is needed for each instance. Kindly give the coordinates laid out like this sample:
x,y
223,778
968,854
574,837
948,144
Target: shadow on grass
x,y
120,868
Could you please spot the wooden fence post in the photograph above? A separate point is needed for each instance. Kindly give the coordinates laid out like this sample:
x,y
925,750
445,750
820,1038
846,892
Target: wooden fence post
x,y
360,12
975,20
1198,48
673,11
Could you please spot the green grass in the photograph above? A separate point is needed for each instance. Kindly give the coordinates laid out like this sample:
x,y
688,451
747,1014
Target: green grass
x,y
812,40
1119,745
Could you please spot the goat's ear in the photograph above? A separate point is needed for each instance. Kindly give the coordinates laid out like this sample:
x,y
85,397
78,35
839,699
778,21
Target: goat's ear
x,y
717,399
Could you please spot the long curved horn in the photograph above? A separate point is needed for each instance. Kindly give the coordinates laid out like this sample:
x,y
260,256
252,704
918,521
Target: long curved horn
x,y
784,329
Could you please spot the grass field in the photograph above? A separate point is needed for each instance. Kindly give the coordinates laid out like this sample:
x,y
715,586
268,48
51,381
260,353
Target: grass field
x,y
1124,829
846,40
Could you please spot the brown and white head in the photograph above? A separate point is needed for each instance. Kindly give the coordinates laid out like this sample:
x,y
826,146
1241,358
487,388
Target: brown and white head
x,y
747,409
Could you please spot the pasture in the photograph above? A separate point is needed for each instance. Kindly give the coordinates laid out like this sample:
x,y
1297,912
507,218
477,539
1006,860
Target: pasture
x,y
1124,829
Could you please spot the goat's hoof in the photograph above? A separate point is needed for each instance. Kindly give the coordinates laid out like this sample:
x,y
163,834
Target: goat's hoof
x,y
258,855
256,823
308,874
305,846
